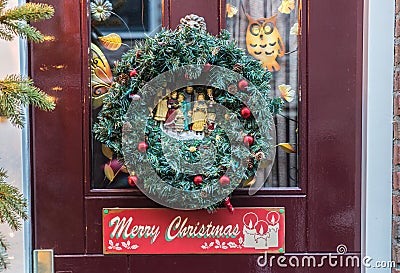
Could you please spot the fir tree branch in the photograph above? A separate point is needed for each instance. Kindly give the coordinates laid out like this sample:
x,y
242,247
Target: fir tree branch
x,y
23,30
30,12
16,92
12,204
15,21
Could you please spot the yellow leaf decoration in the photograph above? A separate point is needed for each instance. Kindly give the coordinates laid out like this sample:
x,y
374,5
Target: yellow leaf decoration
x,y
249,182
106,151
108,171
294,30
111,41
287,148
231,10
286,6
286,92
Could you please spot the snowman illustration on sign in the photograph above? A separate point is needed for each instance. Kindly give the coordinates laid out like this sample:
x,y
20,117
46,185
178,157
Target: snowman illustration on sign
x,y
260,234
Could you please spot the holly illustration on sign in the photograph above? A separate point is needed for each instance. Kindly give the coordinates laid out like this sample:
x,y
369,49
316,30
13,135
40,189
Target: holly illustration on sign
x,y
168,231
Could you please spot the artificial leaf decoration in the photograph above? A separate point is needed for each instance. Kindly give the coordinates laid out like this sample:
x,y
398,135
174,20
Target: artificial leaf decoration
x,y
286,92
111,41
286,6
106,151
294,30
109,173
287,148
231,10
249,182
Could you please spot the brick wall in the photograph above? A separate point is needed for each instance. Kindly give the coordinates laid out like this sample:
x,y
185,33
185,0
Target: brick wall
x,y
396,144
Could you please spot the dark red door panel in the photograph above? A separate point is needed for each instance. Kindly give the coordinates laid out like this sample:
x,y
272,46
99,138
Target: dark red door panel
x,y
213,12
334,59
57,158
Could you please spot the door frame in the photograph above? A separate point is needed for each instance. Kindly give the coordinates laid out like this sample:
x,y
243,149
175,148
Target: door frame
x,y
377,131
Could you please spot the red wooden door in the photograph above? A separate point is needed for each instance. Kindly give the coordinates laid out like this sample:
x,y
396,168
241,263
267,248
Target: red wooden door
x,y
322,213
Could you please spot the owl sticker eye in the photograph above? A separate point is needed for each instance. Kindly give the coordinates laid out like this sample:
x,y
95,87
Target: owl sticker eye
x,y
268,28
255,29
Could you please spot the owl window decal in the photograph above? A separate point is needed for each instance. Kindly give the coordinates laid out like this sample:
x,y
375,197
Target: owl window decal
x,y
264,41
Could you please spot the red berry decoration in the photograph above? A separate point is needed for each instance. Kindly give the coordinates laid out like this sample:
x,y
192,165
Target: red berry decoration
x,y
245,112
207,67
187,77
198,179
133,73
248,140
142,147
228,205
243,84
224,180
133,180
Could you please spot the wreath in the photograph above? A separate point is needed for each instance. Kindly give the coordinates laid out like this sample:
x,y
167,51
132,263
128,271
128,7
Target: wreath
x,y
193,107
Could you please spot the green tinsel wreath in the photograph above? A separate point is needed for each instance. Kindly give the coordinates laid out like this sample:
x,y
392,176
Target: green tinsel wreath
x,y
168,51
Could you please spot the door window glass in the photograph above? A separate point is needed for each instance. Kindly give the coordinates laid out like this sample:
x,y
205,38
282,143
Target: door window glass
x,y
269,31
116,26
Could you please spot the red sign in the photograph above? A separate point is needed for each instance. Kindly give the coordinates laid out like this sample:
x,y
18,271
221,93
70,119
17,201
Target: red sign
x,y
168,231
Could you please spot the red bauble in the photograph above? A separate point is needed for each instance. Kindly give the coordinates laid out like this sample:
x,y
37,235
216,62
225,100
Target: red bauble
x,y
248,140
133,73
243,84
133,180
207,67
224,180
228,205
142,147
245,112
198,179
187,77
